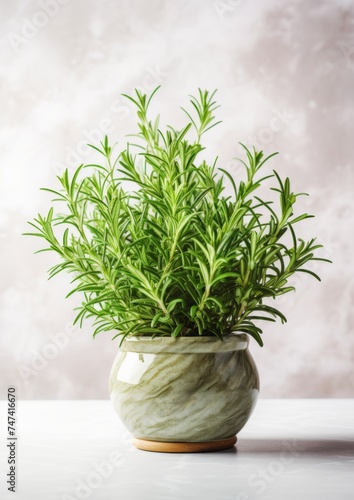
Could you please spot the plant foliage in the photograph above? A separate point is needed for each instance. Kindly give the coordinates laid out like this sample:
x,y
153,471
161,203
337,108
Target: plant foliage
x,y
174,256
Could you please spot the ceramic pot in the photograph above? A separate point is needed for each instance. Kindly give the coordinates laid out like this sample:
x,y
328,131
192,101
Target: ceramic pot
x,y
184,394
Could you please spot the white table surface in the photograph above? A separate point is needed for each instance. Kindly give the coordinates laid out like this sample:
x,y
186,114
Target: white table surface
x,y
290,449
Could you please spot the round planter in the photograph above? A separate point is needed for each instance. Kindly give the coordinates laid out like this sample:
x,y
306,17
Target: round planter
x,y
186,394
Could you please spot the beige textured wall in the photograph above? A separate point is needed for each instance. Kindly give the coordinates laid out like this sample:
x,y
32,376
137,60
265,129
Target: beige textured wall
x,y
285,73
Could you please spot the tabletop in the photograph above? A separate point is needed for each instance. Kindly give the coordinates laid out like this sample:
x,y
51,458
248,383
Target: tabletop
x,y
76,450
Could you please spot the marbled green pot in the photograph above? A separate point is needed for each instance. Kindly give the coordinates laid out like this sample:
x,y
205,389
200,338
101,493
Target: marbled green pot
x,y
184,390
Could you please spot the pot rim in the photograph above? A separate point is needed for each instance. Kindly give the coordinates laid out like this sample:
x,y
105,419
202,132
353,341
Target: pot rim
x,y
185,345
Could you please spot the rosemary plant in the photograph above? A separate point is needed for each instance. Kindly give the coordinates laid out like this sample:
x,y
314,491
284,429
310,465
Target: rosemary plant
x,y
175,256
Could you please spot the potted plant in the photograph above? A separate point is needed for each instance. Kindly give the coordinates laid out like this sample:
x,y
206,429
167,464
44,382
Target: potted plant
x,y
182,274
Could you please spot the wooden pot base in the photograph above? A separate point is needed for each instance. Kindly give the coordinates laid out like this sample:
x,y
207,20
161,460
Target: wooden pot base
x,y
171,447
